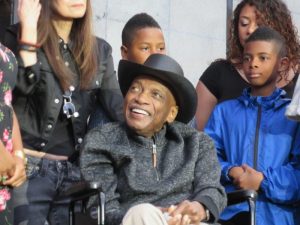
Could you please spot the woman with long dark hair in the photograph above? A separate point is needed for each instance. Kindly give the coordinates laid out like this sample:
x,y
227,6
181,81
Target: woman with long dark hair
x,y
64,71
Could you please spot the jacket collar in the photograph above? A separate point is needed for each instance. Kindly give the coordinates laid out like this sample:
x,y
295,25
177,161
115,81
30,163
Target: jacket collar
x,y
158,138
275,100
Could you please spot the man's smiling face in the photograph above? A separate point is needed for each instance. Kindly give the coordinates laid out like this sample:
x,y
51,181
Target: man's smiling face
x,y
148,105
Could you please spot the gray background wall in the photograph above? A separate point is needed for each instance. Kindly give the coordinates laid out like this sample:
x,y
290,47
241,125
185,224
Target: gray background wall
x,y
195,30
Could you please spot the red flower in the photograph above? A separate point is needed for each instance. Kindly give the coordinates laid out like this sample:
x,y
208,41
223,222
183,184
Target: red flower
x,y
1,76
5,135
7,97
9,145
4,197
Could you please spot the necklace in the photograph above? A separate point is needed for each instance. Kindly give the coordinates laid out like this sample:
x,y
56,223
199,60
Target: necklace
x,y
69,108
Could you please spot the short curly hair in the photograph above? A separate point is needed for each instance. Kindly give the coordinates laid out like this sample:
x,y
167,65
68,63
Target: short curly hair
x,y
271,13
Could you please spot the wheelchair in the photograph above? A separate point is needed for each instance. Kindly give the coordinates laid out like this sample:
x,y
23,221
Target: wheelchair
x,y
82,191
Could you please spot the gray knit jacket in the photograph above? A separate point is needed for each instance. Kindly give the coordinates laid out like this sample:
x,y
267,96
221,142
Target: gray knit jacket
x,y
186,168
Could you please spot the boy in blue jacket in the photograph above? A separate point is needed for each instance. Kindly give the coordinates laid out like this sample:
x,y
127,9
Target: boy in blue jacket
x,y
257,146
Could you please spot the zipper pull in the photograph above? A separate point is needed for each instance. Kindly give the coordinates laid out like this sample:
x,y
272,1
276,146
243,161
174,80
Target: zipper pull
x,y
154,155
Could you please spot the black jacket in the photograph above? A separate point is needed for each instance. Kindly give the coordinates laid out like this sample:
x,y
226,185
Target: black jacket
x,y
37,98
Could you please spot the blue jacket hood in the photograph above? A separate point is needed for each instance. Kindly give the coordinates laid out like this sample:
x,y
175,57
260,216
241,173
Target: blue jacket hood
x,y
276,99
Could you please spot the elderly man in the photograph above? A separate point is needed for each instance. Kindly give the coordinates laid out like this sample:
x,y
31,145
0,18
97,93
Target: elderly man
x,y
155,169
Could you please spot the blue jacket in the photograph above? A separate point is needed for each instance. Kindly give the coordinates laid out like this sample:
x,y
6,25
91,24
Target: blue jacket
x,y
254,131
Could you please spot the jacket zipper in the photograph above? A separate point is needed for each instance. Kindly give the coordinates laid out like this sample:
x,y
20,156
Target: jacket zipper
x,y
256,141
154,159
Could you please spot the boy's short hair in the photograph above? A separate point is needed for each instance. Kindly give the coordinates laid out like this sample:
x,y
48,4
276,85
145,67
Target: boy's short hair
x,y
137,22
270,35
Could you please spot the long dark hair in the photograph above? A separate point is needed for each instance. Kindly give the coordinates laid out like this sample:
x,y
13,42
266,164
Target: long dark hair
x,y
83,46
271,13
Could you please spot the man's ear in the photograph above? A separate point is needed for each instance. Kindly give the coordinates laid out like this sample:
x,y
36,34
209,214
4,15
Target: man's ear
x,y
284,64
172,114
124,52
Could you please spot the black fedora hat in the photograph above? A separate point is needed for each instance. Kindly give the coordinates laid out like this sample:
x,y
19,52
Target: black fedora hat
x,y
167,70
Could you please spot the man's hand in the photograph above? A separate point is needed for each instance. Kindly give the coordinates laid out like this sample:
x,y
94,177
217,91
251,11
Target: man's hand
x,y
186,212
179,220
250,179
175,220
19,175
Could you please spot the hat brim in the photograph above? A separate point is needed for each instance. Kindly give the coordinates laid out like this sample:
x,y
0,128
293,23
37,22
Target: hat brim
x,y
182,89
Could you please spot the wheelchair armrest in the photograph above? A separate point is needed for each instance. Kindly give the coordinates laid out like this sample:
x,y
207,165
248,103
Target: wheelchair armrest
x,y
240,196
80,191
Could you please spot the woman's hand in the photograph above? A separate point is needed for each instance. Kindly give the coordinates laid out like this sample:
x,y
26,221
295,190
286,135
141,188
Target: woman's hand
x,y
7,163
29,12
19,175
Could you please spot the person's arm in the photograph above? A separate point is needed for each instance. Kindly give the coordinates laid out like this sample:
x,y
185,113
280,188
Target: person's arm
x,y
19,175
28,12
214,130
205,106
281,184
23,36
207,188
230,172
97,165
209,89
7,163
110,95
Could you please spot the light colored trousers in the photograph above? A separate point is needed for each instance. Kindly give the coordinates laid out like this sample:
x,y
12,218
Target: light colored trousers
x,y
145,214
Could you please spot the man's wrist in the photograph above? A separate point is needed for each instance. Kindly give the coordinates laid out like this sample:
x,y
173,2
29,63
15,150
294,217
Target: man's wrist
x,y
207,215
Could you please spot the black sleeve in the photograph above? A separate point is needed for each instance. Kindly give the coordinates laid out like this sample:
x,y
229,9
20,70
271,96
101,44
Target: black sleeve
x,y
212,77
110,95
28,77
10,39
